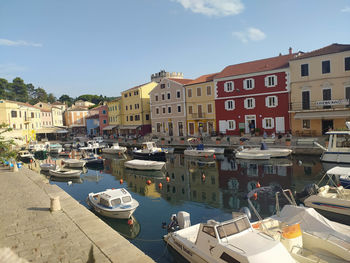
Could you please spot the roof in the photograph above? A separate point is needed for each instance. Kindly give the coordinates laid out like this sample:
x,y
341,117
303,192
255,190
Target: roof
x,y
333,48
203,78
136,87
58,103
261,65
181,81
95,116
77,109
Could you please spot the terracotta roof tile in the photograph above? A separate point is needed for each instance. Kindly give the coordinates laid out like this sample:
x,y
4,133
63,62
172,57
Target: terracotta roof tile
x,y
181,81
261,65
333,48
203,78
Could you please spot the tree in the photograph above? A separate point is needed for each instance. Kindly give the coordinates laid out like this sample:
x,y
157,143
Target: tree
x,y
51,98
3,88
66,99
20,90
6,146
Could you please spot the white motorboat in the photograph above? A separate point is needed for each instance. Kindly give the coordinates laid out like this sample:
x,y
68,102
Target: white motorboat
x,y
229,241
25,156
340,175
144,164
252,155
93,159
199,150
55,148
91,146
338,150
273,152
74,163
306,234
149,151
115,203
47,167
66,173
114,149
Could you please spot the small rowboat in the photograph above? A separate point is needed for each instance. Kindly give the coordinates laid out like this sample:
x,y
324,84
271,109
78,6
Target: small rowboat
x,y
66,173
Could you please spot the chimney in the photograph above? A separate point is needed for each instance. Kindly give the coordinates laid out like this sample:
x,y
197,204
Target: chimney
x,y
290,51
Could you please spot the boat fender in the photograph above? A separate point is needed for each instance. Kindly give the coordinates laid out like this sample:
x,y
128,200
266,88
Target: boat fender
x,y
246,210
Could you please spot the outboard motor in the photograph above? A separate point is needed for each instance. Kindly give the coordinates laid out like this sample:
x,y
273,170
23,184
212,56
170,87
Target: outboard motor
x,y
184,219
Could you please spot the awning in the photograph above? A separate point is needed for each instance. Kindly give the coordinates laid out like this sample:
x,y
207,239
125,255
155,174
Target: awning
x,y
129,127
51,130
323,114
108,128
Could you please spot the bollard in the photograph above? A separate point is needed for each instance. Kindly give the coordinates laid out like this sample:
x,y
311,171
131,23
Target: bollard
x,y
55,203
15,167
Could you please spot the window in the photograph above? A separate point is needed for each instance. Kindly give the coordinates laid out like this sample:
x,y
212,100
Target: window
x,y
271,101
190,109
248,84
125,95
304,70
268,123
14,126
229,86
104,121
137,106
129,94
209,230
178,94
199,91
178,108
156,97
163,110
168,84
271,81
158,127
210,108
347,63
14,114
131,118
136,92
306,124
162,86
126,107
127,118
147,117
137,117
208,90
326,67
163,96
169,109
103,112
189,93
168,95
130,107
249,103
157,110
229,105
305,98
231,125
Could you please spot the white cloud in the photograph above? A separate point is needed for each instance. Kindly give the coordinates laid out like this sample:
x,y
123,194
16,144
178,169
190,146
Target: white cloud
x,y
213,7
250,34
11,43
346,9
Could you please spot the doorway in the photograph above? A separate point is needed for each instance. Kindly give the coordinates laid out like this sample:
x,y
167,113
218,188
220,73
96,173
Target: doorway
x,y
170,126
327,125
191,128
248,119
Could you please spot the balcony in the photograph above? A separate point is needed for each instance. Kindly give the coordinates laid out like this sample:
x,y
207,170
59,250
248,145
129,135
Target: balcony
x,y
197,115
322,105
27,120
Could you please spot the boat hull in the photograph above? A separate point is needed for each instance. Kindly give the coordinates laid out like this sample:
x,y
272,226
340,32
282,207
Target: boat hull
x,y
146,166
75,174
199,153
252,156
74,164
47,167
155,156
336,157
336,206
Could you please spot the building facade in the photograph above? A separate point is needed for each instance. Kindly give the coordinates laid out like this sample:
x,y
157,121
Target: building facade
x,y
114,116
200,106
93,125
168,111
75,119
320,90
135,111
253,96
55,112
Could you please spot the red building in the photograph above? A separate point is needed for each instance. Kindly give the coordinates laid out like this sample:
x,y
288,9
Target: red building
x,y
103,117
254,92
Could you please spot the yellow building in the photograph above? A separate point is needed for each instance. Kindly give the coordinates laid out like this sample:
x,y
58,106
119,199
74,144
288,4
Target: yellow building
x,y
114,115
23,118
200,106
320,90
56,113
135,105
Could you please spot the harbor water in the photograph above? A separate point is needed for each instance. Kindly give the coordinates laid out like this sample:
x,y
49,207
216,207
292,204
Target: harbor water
x,y
206,188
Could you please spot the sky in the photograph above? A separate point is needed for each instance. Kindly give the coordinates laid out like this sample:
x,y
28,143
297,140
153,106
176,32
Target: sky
x,y
103,47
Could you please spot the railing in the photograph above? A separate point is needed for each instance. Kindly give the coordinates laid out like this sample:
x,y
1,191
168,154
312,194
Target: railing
x,y
319,105
198,115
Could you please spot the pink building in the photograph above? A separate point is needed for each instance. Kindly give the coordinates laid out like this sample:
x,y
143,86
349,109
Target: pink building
x,y
103,117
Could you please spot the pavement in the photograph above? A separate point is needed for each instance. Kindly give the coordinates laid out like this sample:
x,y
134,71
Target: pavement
x,y
73,234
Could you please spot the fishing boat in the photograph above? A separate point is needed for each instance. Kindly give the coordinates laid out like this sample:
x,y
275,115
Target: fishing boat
x,y
199,150
338,150
47,167
25,156
149,151
264,150
306,234
74,163
115,203
114,149
66,173
229,241
144,164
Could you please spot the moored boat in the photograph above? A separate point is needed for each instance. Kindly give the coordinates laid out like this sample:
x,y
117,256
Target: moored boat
x,y
47,167
74,163
252,155
114,149
25,156
66,173
114,203
199,150
150,151
144,165
264,150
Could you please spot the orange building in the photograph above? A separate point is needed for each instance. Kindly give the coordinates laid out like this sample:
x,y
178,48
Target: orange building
x,y
75,119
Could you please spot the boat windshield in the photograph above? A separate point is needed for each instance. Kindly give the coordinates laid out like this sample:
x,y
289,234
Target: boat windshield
x,y
126,199
234,227
115,202
343,140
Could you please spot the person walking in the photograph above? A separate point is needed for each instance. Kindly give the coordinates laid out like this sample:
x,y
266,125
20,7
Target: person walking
x,y
252,128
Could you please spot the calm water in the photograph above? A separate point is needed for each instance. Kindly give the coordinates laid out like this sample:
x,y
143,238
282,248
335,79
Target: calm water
x,y
206,188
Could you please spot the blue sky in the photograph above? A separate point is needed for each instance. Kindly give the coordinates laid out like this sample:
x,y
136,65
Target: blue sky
x,y
105,46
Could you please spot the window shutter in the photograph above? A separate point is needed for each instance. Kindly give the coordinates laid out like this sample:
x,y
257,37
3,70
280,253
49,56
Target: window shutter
x,y
266,81
275,80
272,123
267,102
226,105
263,123
276,100
245,104
225,86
